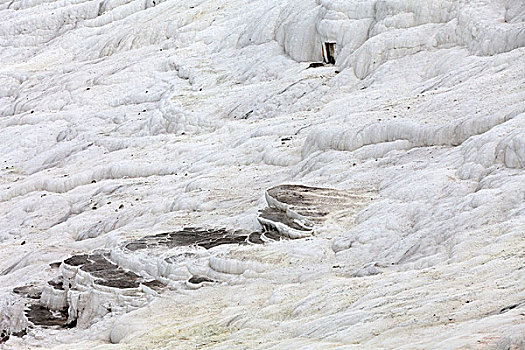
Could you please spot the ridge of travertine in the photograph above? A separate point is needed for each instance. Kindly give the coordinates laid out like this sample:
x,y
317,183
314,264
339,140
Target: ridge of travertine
x,y
126,119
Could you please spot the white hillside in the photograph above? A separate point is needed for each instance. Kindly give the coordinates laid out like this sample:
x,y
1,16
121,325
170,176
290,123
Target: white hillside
x,y
199,175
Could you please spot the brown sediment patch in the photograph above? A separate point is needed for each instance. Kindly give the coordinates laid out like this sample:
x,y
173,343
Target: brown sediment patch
x,y
39,315
105,272
191,236
295,210
30,291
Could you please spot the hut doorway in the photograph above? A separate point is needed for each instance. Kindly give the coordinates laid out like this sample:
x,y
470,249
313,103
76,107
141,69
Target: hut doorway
x,y
329,52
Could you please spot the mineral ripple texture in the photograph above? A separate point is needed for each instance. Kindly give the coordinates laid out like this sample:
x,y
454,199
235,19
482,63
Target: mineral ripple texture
x,y
262,174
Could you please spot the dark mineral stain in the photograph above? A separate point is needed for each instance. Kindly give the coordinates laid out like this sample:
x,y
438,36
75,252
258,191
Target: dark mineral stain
x,y
30,291
40,316
154,284
106,273
206,238
272,235
199,280
307,201
55,265
4,336
77,260
316,65
255,238
507,308
56,285
280,216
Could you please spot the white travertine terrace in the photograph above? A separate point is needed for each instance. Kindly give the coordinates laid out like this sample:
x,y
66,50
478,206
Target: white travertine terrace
x,y
121,119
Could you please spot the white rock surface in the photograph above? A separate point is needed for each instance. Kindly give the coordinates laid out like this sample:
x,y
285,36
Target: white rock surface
x,y
126,118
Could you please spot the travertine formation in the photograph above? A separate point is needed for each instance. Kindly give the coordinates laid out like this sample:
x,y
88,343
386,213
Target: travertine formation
x,y
89,286
124,123
294,210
